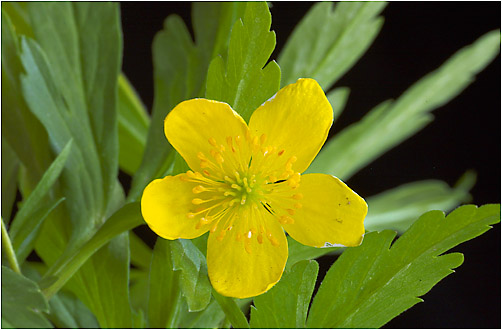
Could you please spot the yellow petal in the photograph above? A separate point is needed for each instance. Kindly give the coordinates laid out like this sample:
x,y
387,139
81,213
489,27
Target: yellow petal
x,y
297,120
201,125
241,272
165,205
331,213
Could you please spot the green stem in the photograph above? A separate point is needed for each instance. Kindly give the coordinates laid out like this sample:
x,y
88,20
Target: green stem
x,y
9,250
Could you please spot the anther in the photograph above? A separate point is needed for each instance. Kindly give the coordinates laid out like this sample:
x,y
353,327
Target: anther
x,y
236,187
260,238
212,142
221,235
206,173
291,212
197,201
298,206
190,215
214,227
198,189
280,152
247,245
262,138
243,200
297,196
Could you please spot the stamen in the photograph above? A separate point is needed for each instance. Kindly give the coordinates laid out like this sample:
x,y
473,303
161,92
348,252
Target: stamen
x,y
280,152
262,138
297,196
212,142
291,212
198,189
298,206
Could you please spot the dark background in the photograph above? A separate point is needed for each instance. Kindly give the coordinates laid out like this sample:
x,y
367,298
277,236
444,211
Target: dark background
x,y
415,39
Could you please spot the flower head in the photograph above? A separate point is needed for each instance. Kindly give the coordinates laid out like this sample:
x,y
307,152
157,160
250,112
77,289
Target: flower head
x,y
245,187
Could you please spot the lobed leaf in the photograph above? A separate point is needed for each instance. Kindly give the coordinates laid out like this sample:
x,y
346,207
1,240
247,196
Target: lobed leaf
x,y
371,284
392,122
242,80
286,304
298,252
23,304
327,43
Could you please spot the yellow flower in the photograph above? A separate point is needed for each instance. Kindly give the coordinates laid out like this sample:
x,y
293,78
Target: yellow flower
x,y
245,187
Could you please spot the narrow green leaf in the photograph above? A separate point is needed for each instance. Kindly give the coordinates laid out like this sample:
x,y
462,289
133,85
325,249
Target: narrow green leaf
x,y
141,253
298,252
194,281
27,222
286,304
338,98
243,80
209,318
67,311
128,217
390,123
232,311
327,42
102,283
164,288
19,16
20,128
397,208
82,42
133,124
10,167
388,280
22,302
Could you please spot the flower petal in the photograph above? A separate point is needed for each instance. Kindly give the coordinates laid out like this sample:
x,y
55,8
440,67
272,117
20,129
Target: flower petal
x,y
191,124
165,205
331,213
234,272
297,120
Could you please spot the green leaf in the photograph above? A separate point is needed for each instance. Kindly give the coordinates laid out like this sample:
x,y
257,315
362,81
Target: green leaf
x,y
133,122
232,311
298,252
209,318
128,217
212,24
371,284
10,167
27,222
103,284
67,311
286,304
243,80
164,287
82,42
22,302
141,254
20,128
327,42
194,281
390,123
397,208
338,98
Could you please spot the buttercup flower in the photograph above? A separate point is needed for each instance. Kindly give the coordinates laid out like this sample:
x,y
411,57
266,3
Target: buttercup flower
x,y
245,187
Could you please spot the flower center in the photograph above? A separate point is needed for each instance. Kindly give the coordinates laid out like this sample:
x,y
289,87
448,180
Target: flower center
x,y
242,182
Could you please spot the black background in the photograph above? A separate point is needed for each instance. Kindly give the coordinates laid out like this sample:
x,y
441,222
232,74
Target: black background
x,y
416,38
